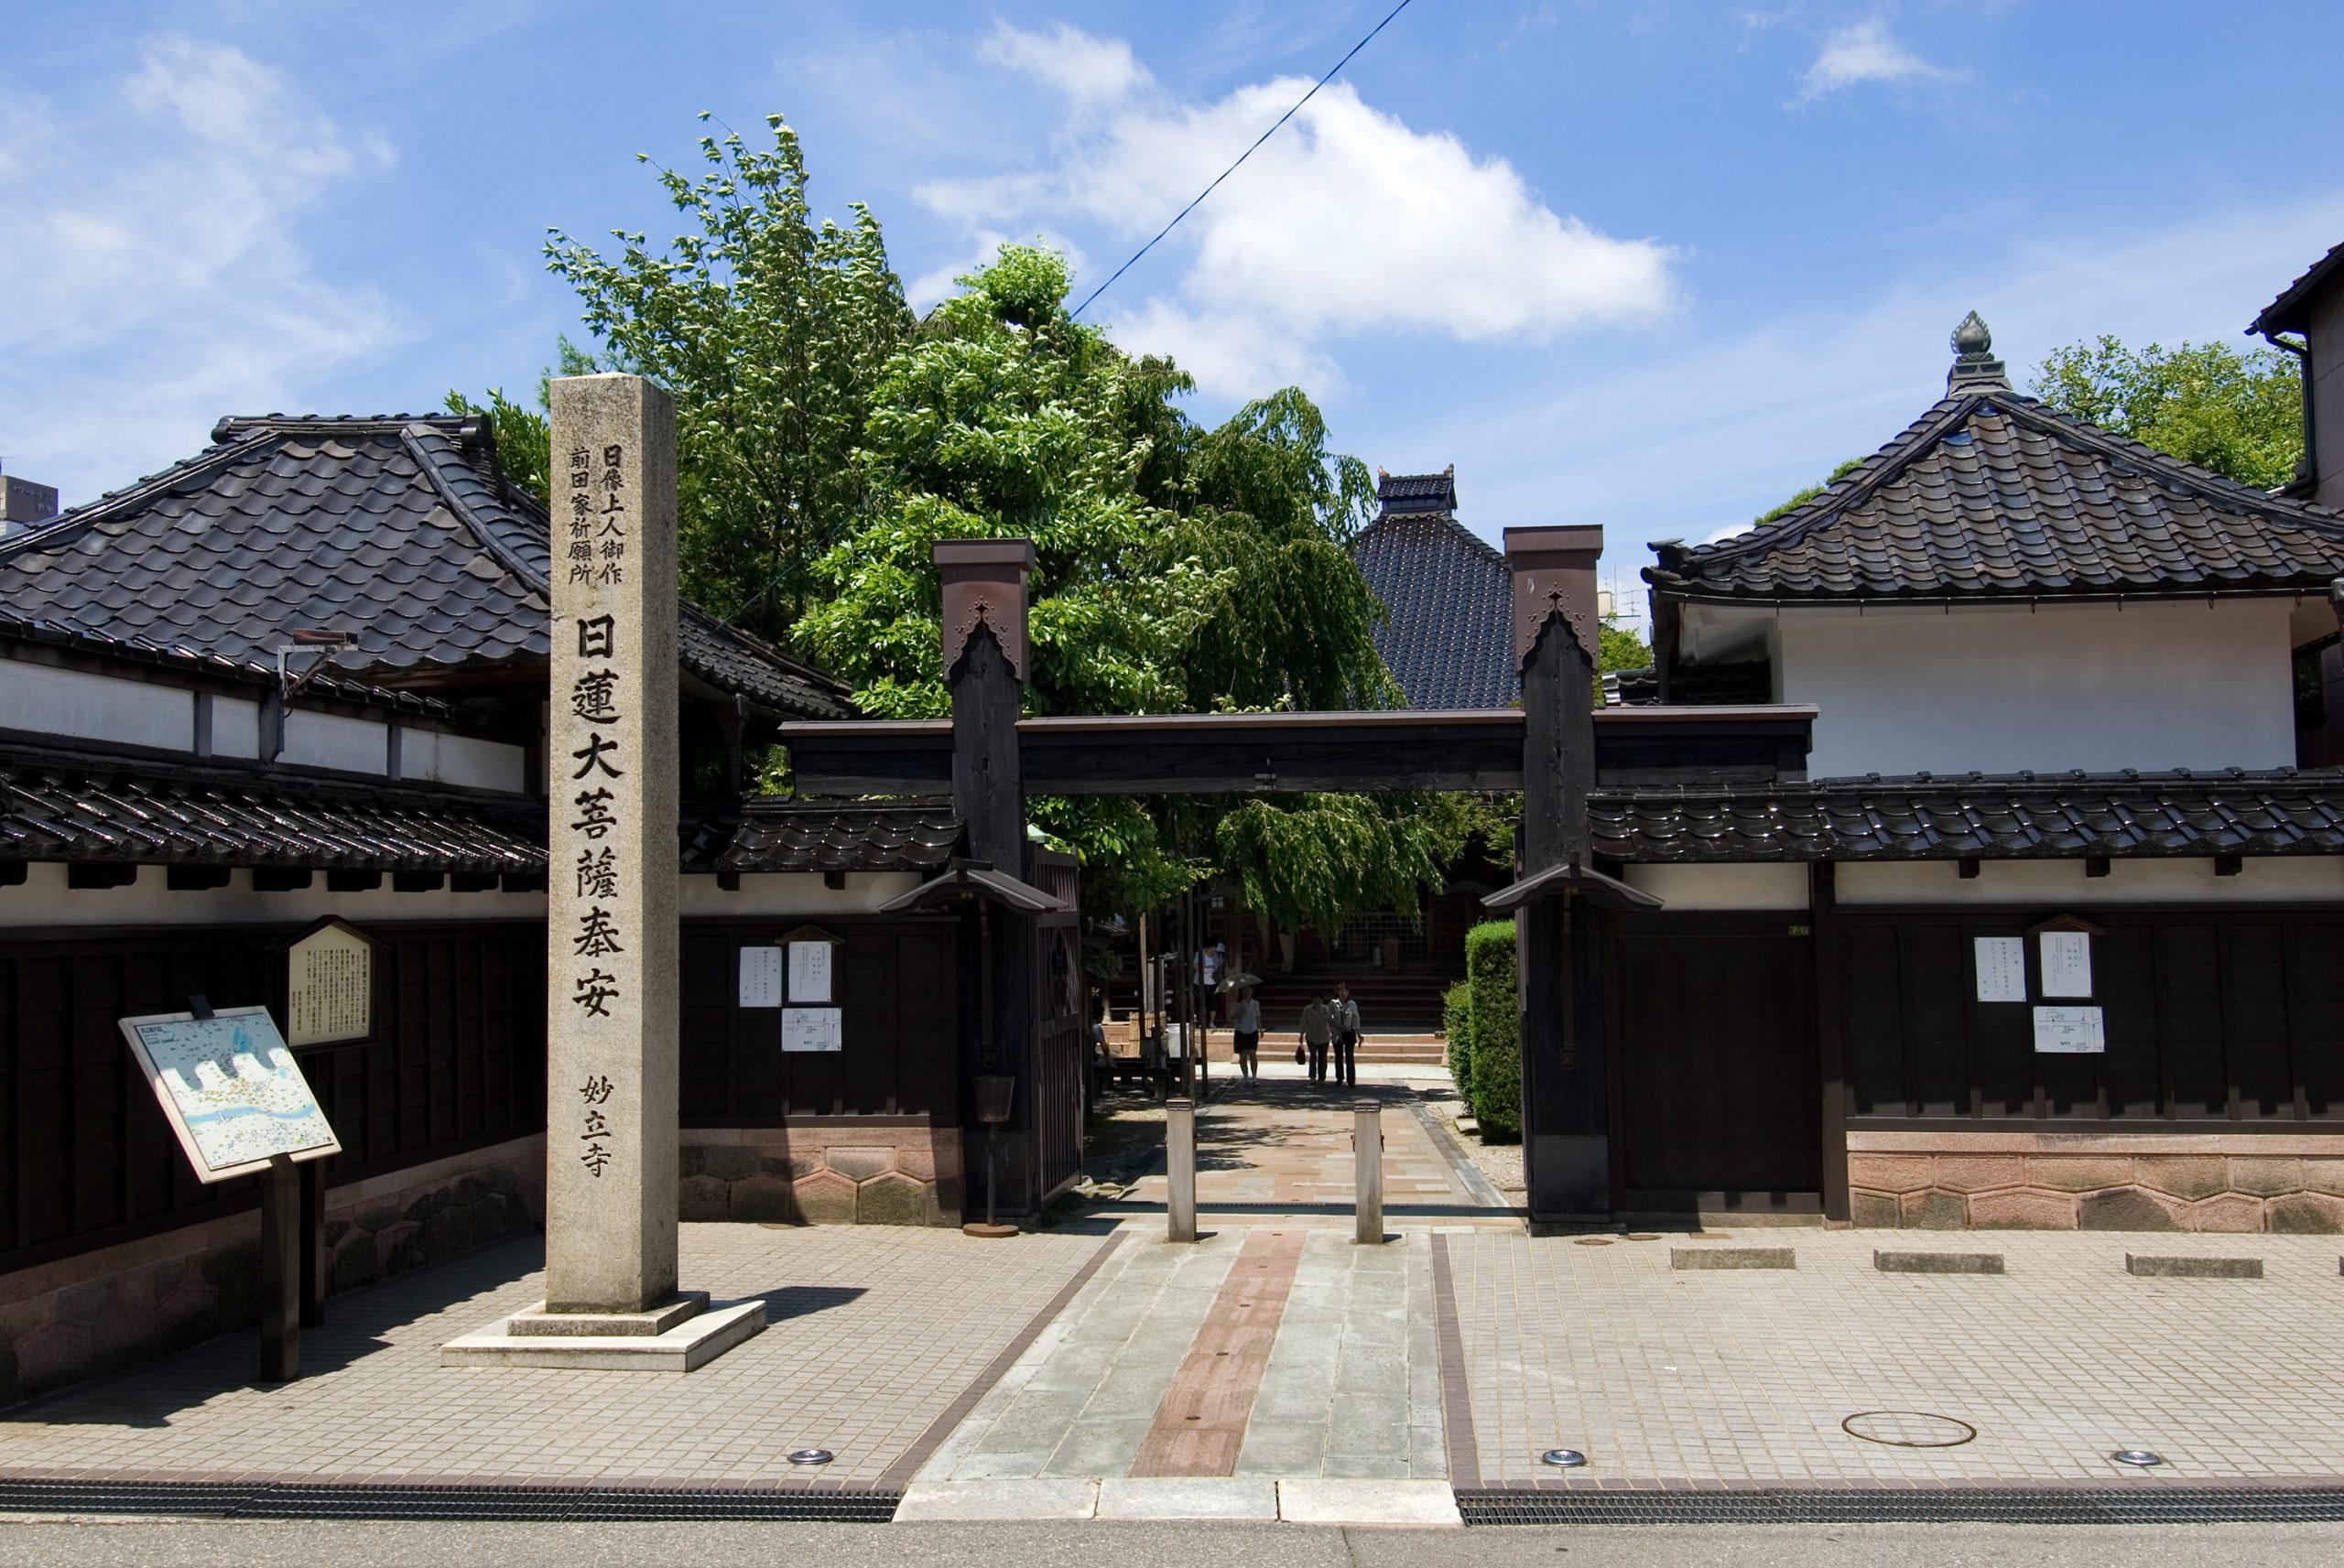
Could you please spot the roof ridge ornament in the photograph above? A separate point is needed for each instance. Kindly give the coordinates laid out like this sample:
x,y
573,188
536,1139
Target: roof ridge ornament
x,y
1974,364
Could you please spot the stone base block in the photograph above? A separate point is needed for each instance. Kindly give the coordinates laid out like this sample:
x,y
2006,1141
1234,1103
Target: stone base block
x,y
2170,1268
1733,1258
535,1322
1329,1500
1938,1262
693,1343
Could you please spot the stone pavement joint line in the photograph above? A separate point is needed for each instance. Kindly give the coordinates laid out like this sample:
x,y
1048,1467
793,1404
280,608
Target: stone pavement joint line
x,y
1201,1423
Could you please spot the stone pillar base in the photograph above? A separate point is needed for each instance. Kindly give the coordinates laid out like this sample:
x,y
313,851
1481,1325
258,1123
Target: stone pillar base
x,y
698,1333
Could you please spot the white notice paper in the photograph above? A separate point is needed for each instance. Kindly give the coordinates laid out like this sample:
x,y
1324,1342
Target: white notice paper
x,y
809,1029
809,972
2070,1030
2001,968
2067,963
760,976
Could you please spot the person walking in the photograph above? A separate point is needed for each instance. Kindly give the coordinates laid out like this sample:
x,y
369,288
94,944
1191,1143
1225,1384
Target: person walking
x,y
1246,1019
1317,1034
1343,1017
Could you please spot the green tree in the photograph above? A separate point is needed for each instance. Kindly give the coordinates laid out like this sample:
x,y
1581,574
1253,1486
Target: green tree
x,y
521,436
2239,414
1179,568
1809,493
771,331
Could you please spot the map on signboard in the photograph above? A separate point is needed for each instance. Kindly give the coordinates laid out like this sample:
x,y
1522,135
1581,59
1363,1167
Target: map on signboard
x,y
230,1089
810,1029
2070,1031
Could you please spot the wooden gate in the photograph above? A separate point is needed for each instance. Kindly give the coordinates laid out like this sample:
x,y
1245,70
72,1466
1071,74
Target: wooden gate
x,y
1716,1088
1060,1044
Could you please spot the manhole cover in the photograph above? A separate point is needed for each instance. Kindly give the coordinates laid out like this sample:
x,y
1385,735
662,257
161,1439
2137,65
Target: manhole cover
x,y
1593,1240
1908,1429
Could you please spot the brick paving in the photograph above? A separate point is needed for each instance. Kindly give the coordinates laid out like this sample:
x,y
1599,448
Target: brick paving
x,y
1724,1378
877,1331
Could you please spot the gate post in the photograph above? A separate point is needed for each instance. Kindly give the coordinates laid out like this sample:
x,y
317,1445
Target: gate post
x,y
1565,1117
983,591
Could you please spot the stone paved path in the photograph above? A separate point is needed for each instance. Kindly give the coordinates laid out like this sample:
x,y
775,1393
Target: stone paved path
x,y
876,1331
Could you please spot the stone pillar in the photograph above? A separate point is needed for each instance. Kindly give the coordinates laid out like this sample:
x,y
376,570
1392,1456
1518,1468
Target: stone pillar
x,y
611,1090
984,601
1566,1117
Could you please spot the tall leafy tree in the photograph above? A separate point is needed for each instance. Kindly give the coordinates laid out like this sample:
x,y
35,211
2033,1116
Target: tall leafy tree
x,y
771,330
2240,414
1180,568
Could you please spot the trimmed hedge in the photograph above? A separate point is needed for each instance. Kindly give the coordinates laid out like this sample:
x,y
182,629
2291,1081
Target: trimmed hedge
x,y
1496,1052
1457,1022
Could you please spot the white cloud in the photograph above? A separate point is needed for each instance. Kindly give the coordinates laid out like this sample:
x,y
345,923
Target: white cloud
x,y
1347,221
156,275
1086,69
1860,53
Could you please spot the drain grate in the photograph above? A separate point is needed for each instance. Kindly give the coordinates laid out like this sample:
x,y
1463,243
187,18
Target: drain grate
x,y
582,1505
2135,1504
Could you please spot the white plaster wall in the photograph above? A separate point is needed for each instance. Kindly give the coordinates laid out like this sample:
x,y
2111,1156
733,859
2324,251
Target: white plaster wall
x,y
235,727
44,900
1689,888
2147,686
786,894
51,701
2294,879
428,755
331,741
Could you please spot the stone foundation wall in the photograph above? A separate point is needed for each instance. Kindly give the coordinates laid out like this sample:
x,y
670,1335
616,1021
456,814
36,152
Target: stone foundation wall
x,y
811,1173
105,1310
2036,1181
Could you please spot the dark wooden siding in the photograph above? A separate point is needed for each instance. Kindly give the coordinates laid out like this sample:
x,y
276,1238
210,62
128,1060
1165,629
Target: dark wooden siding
x,y
895,980
86,1158
2234,1017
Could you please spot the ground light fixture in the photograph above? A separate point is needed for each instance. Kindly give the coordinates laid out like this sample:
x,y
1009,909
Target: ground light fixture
x,y
1563,1458
811,1457
2140,1457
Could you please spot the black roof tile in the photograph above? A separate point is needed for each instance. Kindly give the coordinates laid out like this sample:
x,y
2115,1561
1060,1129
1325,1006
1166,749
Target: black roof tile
x,y
2022,816
1448,641
777,836
1991,494
62,807
393,527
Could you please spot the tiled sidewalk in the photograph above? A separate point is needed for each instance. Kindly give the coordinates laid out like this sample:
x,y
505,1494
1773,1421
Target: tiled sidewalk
x,y
877,1331
1743,1379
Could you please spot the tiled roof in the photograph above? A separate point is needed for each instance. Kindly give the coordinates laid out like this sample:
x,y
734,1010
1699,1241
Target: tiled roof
x,y
1450,640
1416,492
2287,313
139,651
778,838
1990,495
393,527
2023,816
64,808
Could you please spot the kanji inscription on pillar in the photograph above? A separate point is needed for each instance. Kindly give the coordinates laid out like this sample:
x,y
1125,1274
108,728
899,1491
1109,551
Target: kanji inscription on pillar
x,y
611,904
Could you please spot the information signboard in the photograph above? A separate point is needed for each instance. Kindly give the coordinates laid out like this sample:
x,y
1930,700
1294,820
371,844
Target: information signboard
x,y
230,1090
760,976
809,971
2067,963
329,985
2070,1030
810,1029
2001,968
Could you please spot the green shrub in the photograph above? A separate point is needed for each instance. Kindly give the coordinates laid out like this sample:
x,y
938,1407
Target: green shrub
x,y
1496,1096
1457,1022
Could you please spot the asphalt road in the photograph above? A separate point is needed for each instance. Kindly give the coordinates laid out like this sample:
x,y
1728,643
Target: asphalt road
x,y
166,1543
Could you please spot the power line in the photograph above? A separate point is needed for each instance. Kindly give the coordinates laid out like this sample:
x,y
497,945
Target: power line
x,y
1249,151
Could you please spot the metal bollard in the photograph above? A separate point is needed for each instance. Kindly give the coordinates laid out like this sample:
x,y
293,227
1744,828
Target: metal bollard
x,y
1367,1145
1180,1169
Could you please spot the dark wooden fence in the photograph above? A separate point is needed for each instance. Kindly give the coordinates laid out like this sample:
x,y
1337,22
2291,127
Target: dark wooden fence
x,y
2233,1019
456,1062
896,982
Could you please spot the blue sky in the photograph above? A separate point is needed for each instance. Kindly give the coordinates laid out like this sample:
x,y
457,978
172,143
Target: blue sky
x,y
1651,266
